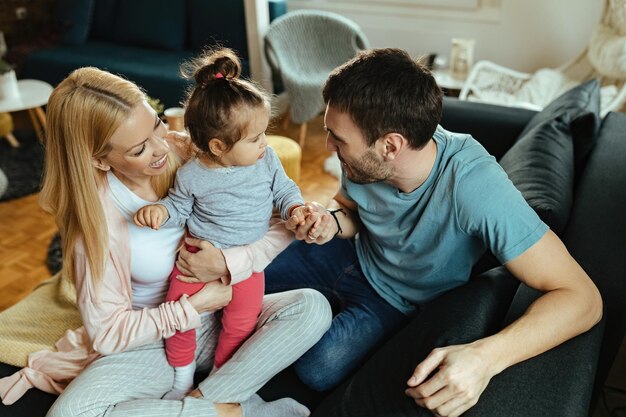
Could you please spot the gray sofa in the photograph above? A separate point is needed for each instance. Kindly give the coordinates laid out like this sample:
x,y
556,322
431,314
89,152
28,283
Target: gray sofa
x,y
568,163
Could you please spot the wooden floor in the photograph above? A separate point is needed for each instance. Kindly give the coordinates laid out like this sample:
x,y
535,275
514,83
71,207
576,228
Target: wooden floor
x,y
26,230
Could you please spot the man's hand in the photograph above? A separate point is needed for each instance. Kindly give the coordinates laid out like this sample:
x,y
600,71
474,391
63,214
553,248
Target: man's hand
x,y
318,227
207,265
460,374
152,215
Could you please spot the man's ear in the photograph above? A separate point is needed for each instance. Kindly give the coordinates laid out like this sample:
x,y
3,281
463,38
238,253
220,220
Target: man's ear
x,y
216,146
100,164
392,144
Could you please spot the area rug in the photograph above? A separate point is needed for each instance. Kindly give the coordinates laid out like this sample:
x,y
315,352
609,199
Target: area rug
x,y
21,166
55,255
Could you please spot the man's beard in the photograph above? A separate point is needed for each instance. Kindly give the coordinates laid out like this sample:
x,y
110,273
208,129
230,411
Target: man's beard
x,y
369,169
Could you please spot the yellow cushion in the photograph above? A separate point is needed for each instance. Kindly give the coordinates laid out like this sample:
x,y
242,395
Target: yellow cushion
x,y
6,124
38,321
290,154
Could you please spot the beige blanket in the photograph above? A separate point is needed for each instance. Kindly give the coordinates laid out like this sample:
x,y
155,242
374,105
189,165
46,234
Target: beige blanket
x,y
38,321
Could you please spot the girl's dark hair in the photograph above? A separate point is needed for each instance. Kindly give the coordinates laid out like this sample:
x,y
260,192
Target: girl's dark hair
x,y
385,91
216,106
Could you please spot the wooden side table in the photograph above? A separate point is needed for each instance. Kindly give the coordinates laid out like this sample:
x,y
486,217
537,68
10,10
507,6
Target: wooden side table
x,y
33,95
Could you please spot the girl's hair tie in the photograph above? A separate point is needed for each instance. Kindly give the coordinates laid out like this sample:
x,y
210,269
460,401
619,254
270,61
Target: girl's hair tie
x,y
219,75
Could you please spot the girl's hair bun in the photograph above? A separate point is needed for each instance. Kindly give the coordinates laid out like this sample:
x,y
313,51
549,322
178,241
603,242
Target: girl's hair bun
x,y
213,65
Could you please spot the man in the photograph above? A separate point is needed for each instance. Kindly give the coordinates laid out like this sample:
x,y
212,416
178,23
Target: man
x,y
418,206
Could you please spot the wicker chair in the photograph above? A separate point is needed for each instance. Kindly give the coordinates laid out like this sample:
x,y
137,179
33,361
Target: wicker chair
x,y
302,48
603,59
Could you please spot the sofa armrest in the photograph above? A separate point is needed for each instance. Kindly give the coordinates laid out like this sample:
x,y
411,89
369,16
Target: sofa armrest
x,y
496,127
557,383
462,315
596,232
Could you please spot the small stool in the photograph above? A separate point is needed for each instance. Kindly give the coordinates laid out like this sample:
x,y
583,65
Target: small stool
x,y
289,153
6,129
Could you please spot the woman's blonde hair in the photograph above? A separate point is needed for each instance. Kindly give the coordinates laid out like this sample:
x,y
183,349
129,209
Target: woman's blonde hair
x,y
83,112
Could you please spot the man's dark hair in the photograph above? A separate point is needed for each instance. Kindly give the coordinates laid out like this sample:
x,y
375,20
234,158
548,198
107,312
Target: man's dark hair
x,y
384,91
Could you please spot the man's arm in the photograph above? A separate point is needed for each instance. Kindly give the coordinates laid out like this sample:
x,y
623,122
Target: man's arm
x,y
320,225
348,218
570,306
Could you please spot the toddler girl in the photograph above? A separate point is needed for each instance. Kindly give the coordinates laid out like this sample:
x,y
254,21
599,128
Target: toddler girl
x,y
225,195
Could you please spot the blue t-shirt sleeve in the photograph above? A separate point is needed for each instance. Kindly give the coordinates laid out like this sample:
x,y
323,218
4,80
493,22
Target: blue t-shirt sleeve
x,y
489,207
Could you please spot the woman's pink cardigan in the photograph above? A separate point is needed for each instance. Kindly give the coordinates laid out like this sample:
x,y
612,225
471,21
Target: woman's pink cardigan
x,y
110,324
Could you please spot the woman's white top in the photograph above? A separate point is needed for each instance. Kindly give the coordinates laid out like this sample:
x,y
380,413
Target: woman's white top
x,y
152,253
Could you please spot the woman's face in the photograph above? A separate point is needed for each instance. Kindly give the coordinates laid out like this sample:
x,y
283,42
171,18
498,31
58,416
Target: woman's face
x,y
138,147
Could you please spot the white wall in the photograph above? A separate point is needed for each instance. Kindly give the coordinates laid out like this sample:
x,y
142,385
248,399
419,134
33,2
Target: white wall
x,y
522,34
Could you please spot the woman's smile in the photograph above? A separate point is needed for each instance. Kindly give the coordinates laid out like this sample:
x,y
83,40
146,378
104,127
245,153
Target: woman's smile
x,y
160,163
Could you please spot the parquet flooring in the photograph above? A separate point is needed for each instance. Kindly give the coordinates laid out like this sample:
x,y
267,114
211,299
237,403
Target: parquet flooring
x,y
26,230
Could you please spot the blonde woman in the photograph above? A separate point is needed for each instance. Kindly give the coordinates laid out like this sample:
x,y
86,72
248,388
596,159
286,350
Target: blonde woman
x,y
106,156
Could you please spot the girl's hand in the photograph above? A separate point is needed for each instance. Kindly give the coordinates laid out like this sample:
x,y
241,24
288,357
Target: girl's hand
x,y
152,215
299,214
212,297
207,265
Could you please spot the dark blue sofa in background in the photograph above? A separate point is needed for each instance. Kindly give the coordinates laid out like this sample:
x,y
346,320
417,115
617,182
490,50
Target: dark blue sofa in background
x,y
143,40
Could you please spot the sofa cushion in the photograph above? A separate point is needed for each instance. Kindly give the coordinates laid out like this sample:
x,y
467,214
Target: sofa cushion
x,y
580,108
495,127
223,23
104,13
157,71
153,23
74,18
541,165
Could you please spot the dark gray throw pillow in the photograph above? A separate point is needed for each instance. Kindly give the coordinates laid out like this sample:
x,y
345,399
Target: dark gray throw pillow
x,y
580,109
541,166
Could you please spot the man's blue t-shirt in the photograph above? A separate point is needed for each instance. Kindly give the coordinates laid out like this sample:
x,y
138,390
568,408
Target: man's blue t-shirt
x,y
415,246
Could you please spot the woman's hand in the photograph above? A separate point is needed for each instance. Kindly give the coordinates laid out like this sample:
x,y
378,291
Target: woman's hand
x,y
212,297
206,265
181,144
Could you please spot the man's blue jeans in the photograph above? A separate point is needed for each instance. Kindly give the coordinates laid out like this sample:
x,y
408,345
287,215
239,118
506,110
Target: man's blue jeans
x,y
363,319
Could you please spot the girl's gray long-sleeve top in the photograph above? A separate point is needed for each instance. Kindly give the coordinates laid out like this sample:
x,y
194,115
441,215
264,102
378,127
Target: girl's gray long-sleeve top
x,y
230,206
